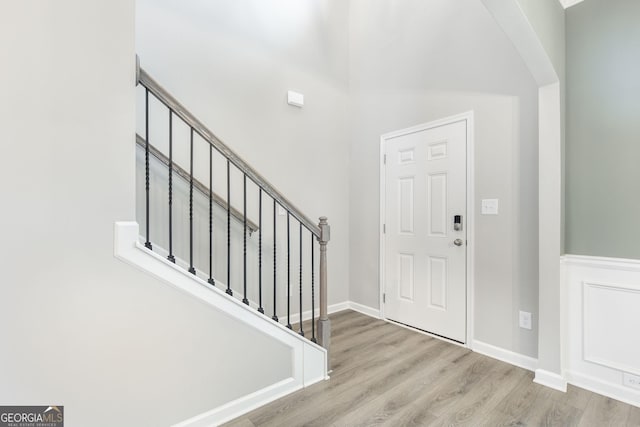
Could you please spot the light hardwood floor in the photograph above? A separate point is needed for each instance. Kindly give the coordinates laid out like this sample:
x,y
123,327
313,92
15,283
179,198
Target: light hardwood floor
x,y
386,375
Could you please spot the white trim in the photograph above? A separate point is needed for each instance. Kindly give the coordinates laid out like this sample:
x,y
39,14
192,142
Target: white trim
x,y
515,23
471,215
306,315
341,306
381,227
468,117
568,3
564,318
237,293
607,263
309,361
526,362
614,391
366,310
335,308
243,405
551,380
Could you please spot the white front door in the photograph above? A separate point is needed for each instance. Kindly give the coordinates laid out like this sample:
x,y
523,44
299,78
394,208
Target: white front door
x,y
425,227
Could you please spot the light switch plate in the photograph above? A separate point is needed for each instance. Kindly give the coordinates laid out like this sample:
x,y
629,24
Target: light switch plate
x,y
489,206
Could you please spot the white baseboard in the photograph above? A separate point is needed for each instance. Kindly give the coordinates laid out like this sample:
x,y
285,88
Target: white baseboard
x,y
551,380
605,388
508,356
243,405
366,310
341,306
306,315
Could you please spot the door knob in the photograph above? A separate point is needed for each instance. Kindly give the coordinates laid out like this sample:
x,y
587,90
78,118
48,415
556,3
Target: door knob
x,y
457,242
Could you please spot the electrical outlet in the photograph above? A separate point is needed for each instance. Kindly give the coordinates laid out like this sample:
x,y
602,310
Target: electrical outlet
x,y
525,320
631,380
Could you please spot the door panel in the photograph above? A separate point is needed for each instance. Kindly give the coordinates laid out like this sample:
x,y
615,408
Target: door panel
x,y
405,204
437,204
405,268
425,271
438,282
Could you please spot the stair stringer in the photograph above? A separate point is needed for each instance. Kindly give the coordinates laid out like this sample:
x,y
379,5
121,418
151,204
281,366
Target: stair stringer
x,y
309,360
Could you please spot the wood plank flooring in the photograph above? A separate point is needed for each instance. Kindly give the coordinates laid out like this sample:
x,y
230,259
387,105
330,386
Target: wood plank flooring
x,y
386,375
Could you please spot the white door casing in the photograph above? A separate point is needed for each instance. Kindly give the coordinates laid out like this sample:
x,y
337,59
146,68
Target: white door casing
x,y
424,179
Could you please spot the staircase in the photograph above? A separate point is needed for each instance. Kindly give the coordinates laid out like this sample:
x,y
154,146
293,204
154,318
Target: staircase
x,y
214,227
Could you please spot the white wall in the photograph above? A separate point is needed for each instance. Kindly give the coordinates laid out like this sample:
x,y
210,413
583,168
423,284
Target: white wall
x,y
416,61
536,29
547,19
80,328
396,65
231,63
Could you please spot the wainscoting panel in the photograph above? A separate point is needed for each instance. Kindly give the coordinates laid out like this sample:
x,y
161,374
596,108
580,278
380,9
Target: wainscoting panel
x,y
602,317
611,321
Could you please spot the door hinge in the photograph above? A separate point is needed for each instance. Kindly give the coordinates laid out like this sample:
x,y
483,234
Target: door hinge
x,y
384,298
384,228
385,159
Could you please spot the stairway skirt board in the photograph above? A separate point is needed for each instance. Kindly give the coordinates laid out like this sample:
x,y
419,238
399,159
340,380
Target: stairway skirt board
x,y
309,360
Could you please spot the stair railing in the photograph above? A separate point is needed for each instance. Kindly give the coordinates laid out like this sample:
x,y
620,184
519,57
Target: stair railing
x,y
319,232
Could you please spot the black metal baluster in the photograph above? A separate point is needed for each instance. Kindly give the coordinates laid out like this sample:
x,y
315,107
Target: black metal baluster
x,y
288,271
275,268
244,237
211,280
229,291
300,235
313,301
260,308
171,257
147,243
191,269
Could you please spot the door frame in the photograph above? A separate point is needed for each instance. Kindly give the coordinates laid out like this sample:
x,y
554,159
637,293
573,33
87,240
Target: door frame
x,y
467,117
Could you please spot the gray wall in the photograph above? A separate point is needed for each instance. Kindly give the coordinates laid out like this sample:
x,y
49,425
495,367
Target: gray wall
x,y
416,61
232,61
80,328
603,128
